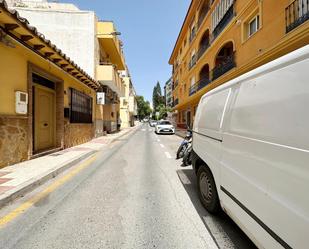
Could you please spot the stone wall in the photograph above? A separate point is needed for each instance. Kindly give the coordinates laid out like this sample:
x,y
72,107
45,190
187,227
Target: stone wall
x,y
75,134
13,140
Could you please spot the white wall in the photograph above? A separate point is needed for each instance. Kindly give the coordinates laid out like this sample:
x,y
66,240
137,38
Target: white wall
x,y
74,32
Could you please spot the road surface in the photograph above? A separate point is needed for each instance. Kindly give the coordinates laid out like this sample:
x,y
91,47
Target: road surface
x,y
133,194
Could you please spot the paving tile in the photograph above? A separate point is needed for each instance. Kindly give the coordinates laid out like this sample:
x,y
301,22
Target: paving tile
x,y
3,189
4,180
3,173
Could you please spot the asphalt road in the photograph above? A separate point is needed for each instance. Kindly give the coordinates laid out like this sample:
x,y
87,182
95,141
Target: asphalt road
x,y
133,195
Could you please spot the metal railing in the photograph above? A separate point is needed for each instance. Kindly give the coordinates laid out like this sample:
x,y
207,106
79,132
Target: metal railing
x,y
223,67
198,86
202,17
192,62
296,14
176,102
202,50
224,22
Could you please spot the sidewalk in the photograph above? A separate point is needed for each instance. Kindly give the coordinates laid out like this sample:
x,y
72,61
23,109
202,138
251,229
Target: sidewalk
x,y
181,132
21,178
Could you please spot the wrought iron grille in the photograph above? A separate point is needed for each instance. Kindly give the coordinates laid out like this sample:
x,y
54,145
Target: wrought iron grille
x,y
224,22
223,67
198,86
296,14
81,107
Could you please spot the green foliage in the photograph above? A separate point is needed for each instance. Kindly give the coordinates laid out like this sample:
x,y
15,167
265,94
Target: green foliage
x,y
163,110
157,98
143,107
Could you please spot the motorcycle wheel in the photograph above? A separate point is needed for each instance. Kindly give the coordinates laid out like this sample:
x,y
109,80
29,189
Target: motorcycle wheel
x,y
181,150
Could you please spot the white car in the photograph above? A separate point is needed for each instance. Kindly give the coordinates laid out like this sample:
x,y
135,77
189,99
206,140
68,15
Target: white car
x,y
164,127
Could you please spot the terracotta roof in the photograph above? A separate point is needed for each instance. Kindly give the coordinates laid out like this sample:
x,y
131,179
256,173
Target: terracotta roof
x,y
25,23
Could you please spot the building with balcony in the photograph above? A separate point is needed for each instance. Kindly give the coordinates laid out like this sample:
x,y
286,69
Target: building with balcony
x,y
222,39
168,93
128,103
93,44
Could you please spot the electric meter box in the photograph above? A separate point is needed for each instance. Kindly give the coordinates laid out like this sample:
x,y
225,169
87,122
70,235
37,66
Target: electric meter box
x,y
100,98
21,102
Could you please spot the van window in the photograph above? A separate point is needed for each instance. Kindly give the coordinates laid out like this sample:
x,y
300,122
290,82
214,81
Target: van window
x,y
212,110
274,107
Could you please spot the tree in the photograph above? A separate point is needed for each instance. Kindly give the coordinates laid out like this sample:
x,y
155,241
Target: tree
x,y
157,98
163,110
143,107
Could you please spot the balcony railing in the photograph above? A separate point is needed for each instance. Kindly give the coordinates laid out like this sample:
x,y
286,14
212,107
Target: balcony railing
x,y
224,22
296,14
192,62
176,102
223,67
202,17
202,50
198,86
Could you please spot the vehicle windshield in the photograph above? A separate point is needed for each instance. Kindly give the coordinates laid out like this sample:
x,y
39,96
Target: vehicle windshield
x,y
165,123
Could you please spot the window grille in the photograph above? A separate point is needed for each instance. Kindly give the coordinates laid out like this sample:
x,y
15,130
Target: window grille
x,y
81,107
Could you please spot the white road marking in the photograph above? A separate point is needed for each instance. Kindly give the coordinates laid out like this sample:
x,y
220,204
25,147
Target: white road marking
x,y
158,140
168,155
162,145
143,129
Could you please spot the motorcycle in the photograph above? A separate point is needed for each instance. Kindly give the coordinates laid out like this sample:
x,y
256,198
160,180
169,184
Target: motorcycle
x,y
186,161
184,145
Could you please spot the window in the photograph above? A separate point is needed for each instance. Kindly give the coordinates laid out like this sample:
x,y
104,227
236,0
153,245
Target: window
x,y
183,115
254,25
81,107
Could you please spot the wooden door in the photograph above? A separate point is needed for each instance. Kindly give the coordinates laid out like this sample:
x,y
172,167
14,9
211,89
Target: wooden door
x,y
44,118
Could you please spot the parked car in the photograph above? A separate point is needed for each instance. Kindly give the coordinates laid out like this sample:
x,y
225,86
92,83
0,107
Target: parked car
x,y
164,127
152,123
251,151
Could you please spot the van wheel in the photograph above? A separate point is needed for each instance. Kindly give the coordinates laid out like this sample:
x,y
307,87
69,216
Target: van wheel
x,y
207,190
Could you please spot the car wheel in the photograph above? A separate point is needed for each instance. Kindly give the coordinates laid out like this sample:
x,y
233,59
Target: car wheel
x,y
207,190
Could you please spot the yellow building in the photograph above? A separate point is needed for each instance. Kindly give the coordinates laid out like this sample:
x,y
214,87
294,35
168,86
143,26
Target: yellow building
x,y
128,104
222,39
47,101
108,73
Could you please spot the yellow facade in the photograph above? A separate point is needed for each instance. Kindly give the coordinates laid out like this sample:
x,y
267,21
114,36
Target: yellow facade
x,y
112,61
33,66
223,39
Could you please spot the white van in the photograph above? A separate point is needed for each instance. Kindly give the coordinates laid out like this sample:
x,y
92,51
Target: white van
x,y
251,151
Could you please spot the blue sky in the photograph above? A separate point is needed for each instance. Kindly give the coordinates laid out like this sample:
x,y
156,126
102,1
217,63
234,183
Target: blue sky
x,y
149,30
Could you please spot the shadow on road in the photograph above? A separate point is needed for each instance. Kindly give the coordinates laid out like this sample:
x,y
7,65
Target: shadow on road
x,y
222,228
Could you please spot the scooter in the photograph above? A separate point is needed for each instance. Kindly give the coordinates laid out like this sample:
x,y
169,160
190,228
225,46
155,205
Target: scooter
x,y
184,145
186,160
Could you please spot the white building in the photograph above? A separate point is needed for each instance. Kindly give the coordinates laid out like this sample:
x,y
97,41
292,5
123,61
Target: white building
x,y
71,29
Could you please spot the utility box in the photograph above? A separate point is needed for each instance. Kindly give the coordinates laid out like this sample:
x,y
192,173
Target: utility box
x,y
21,102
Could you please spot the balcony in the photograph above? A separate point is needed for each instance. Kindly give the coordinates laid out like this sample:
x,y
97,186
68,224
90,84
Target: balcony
x,y
192,62
202,15
110,43
226,65
107,75
176,102
224,22
198,86
202,50
296,14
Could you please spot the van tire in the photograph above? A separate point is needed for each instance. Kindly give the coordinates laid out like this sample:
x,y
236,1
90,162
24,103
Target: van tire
x,y
207,190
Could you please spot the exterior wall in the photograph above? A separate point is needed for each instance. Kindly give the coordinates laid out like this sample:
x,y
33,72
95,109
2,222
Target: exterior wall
x,y
72,31
268,43
16,67
13,129
75,134
169,93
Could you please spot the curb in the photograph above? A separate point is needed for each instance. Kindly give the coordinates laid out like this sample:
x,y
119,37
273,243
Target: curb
x,y
32,184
